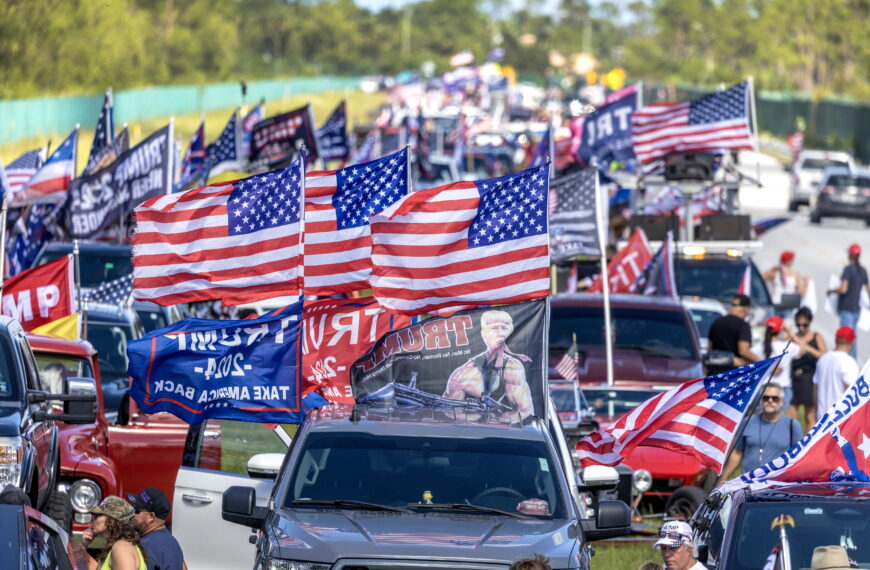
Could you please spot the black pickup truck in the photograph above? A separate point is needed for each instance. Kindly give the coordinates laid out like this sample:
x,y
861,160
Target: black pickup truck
x,y
29,454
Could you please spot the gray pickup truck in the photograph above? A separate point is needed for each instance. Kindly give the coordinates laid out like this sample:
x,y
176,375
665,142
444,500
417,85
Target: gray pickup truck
x,y
369,488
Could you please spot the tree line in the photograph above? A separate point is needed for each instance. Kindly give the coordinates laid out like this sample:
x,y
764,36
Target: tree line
x,y
48,47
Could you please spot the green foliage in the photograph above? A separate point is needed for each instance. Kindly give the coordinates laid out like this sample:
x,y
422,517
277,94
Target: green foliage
x,y
625,556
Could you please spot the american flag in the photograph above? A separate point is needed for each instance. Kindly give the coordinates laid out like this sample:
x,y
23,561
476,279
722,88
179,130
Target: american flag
x,y
573,220
4,184
223,154
715,121
658,277
105,131
193,163
466,243
22,169
369,147
256,115
543,150
39,223
238,242
332,136
568,367
116,292
51,181
338,204
698,417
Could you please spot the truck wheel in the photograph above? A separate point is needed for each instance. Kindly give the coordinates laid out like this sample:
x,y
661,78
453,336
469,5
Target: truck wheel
x,y
60,509
683,503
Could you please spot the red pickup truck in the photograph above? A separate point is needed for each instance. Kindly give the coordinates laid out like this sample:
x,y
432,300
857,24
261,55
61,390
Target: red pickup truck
x,y
100,459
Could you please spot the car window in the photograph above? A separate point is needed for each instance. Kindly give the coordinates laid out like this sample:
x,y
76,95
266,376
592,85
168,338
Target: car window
x,y
8,381
717,279
227,445
110,341
42,546
54,369
613,404
821,163
846,181
152,320
96,268
507,474
34,382
564,399
703,318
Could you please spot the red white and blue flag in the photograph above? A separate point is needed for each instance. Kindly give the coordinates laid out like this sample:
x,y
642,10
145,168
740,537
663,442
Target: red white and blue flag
x,y
338,203
256,115
51,181
697,418
193,164
104,133
716,121
332,136
543,150
22,169
658,277
466,243
237,241
745,286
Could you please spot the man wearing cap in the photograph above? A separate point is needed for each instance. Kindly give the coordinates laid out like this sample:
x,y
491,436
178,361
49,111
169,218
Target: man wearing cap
x,y
152,510
853,278
731,333
677,548
836,370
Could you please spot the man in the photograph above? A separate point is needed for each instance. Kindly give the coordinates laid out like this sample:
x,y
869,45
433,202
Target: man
x,y
677,548
836,370
731,333
152,510
766,435
853,278
496,373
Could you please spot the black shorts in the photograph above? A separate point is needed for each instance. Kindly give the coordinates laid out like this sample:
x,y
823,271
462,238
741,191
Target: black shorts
x,y
802,386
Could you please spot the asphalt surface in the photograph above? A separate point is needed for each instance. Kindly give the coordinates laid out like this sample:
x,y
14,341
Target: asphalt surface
x,y
820,250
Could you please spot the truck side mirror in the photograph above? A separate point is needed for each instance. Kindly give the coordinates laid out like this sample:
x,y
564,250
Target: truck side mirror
x,y
719,359
79,402
239,506
612,519
597,478
265,465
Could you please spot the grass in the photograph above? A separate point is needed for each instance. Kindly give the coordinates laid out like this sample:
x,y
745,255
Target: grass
x,y
242,440
623,556
359,106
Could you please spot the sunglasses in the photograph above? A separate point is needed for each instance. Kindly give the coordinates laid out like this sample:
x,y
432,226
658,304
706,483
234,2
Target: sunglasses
x,y
672,535
771,398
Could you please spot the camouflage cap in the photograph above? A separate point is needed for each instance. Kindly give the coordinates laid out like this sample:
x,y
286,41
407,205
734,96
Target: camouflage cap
x,y
115,507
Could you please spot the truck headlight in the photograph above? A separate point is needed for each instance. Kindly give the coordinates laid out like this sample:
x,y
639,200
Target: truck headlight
x,y
279,564
641,480
84,494
11,453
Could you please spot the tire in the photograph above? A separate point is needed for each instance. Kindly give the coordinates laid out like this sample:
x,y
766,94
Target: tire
x,y
815,218
683,503
60,509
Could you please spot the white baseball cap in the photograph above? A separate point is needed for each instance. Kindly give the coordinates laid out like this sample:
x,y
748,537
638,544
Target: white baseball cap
x,y
673,534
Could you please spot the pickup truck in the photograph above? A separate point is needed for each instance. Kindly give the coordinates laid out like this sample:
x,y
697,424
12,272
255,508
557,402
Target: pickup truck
x,y
371,487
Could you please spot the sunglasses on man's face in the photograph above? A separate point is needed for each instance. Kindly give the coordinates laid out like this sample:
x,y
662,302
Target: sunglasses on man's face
x,y
771,398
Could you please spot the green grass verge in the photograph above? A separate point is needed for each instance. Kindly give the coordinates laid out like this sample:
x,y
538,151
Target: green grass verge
x,y
624,556
242,440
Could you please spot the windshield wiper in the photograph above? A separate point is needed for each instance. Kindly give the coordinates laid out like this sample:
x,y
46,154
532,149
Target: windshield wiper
x,y
464,507
347,503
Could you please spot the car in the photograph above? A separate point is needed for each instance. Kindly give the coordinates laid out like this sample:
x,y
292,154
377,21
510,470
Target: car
x,y
29,443
666,481
154,316
99,262
354,491
737,530
33,540
109,329
807,173
654,339
574,412
843,193
704,312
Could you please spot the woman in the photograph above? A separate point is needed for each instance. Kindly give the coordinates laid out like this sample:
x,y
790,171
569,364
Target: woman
x,y
776,337
811,346
783,279
123,549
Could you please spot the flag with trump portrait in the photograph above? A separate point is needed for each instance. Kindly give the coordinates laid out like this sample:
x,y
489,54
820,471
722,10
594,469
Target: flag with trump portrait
x,y
466,243
697,418
239,241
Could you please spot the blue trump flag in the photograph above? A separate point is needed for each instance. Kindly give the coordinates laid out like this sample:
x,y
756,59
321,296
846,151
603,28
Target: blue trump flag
x,y
246,370
607,133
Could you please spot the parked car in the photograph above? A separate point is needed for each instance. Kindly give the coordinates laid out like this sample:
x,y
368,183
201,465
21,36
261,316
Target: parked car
x,y
33,540
351,492
807,173
574,412
654,340
736,530
704,312
29,443
154,316
99,262
844,193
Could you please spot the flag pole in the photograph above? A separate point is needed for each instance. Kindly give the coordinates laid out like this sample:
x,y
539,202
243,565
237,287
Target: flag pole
x,y
605,280
82,305
754,126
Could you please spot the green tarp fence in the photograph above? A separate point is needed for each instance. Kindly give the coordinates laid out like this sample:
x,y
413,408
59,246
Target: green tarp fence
x,y
27,118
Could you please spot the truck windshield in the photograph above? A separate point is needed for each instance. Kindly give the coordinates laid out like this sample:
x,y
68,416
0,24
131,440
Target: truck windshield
x,y
717,278
816,523
55,368
96,268
515,476
8,382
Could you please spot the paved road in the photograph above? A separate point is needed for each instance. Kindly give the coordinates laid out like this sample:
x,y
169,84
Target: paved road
x,y
820,249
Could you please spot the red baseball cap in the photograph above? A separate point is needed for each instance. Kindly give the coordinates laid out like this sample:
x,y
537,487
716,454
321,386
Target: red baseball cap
x,y
845,334
854,250
774,323
786,256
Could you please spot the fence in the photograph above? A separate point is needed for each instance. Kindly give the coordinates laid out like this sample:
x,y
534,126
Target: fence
x,y
26,118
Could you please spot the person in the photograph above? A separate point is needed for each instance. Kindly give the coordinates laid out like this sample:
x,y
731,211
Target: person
x,y
811,345
650,565
776,341
835,371
678,550
152,509
766,435
784,280
853,278
495,373
830,558
539,562
123,548
731,333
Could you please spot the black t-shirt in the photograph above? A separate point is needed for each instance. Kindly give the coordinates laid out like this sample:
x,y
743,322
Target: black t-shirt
x,y
856,277
726,331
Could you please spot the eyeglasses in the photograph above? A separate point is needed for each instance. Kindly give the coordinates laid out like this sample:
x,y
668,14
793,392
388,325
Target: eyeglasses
x,y
771,398
672,535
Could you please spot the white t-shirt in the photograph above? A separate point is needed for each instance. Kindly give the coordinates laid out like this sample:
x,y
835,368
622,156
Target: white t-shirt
x,y
783,375
698,566
835,371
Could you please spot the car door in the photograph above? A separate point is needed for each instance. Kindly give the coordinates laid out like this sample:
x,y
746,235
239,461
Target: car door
x,y
42,434
215,458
